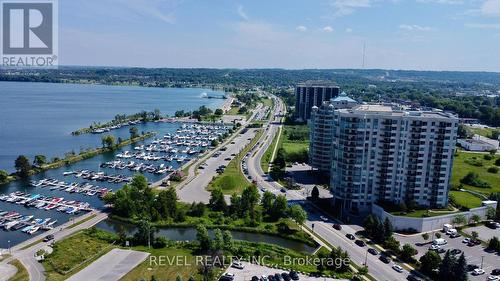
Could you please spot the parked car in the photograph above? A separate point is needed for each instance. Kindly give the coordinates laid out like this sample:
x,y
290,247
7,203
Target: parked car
x,y
493,278
238,265
434,247
466,240
337,226
48,238
495,271
255,278
413,278
285,276
350,236
493,224
373,251
278,277
283,190
397,268
478,271
471,267
385,259
456,252
294,275
360,243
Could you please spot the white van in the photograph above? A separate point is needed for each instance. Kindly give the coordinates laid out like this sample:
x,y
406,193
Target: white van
x,y
447,227
439,241
451,232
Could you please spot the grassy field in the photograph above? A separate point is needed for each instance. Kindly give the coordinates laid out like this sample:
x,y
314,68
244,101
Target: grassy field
x,y
266,158
73,254
267,102
485,132
232,180
465,199
292,146
22,273
463,164
233,111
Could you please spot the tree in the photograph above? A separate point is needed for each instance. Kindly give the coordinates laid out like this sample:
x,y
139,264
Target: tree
x,y
108,141
203,238
3,176
490,212
145,234
134,132
407,252
447,266
494,244
438,235
387,229
178,278
459,220
267,202
22,165
370,224
430,261
218,242
392,244
298,214
474,235
217,202
280,207
214,143
315,193
227,237
40,160
460,270
425,236
475,218
166,203
218,112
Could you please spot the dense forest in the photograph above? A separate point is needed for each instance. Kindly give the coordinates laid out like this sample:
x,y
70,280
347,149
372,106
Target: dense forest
x,y
469,94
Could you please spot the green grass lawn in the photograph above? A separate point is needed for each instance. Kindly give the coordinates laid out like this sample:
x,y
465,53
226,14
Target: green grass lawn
x,y
233,111
232,180
485,132
462,165
423,213
267,102
74,253
295,147
22,273
465,199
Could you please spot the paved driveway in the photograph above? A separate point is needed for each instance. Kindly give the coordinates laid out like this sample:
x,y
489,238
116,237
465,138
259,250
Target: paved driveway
x,y
485,233
112,266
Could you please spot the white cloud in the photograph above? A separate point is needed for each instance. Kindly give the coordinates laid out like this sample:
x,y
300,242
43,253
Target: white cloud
x,y
414,27
328,29
347,7
242,13
491,8
301,28
483,25
348,30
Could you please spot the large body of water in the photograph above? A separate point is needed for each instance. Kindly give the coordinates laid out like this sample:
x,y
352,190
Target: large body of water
x,y
37,118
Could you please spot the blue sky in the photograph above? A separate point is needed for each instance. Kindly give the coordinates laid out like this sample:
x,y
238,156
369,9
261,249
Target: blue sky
x,y
398,34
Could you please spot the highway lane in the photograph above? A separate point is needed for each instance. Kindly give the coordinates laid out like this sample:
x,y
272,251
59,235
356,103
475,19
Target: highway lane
x,y
195,189
325,230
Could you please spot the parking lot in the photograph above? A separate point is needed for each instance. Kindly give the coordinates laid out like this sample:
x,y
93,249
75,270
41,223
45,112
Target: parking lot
x,y
474,255
251,270
485,233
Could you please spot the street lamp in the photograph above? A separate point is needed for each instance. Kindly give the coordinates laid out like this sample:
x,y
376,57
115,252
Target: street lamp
x,y
366,257
8,241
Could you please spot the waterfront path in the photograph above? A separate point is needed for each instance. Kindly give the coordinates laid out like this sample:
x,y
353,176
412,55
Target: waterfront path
x,y
25,251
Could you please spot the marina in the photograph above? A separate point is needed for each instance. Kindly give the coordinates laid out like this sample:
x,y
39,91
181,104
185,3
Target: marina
x,y
52,111
14,221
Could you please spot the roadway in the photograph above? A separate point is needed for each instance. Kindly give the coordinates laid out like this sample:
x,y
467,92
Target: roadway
x,y
323,229
194,188
27,256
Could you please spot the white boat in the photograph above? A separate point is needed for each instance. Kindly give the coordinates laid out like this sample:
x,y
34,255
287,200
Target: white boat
x,y
33,230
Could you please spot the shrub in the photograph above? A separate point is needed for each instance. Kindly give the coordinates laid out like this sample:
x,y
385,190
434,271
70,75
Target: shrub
x,y
493,170
473,179
487,157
